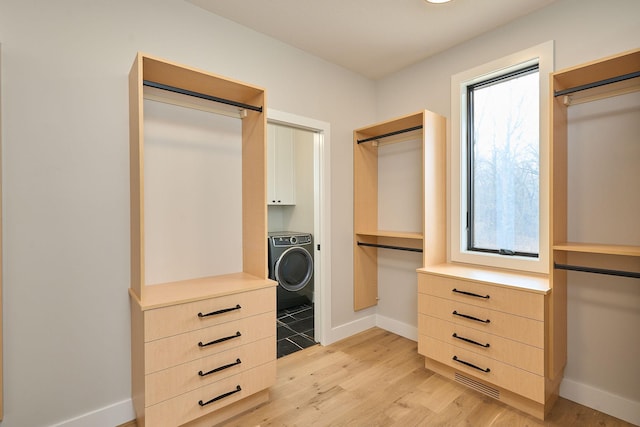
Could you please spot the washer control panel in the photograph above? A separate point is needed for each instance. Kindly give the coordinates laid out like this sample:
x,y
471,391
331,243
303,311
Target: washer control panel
x,y
291,240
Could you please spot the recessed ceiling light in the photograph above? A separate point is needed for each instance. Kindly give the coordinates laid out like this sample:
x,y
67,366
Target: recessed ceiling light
x,y
437,1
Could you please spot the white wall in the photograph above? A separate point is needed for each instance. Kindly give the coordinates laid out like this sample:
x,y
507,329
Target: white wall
x,y
583,30
189,153
399,209
603,205
66,181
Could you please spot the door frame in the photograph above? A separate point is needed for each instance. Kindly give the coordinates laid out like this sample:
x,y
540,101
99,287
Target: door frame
x,y
321,218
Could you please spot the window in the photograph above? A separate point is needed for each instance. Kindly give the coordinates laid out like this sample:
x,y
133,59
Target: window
x,y
499,162
503,164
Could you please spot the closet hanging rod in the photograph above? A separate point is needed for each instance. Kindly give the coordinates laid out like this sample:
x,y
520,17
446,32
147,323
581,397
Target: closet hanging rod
x,y
397,132
597,84
620,273
398,248
201,95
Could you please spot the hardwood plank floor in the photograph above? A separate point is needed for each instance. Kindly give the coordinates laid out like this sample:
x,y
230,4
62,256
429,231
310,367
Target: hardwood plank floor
x,y
377,378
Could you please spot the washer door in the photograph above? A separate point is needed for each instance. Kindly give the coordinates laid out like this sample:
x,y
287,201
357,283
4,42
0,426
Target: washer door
x,y
294,268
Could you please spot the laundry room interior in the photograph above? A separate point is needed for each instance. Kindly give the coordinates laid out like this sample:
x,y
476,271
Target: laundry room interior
x,y
291,208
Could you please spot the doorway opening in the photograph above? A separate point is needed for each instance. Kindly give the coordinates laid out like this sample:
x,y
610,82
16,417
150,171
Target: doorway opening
x,y
298,198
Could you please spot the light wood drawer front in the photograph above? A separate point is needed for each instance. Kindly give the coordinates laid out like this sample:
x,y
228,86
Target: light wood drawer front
x,y
504,350
178,349
502,375
185,408
180,318
165,384
505,325
508,300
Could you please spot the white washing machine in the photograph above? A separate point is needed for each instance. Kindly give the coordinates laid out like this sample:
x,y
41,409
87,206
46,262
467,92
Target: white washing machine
x,y
291,265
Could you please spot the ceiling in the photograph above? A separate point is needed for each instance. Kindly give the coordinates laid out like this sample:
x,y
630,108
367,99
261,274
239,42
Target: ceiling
x,y
372,37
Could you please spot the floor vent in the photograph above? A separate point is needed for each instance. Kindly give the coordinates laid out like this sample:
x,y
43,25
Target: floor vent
x,y
478,386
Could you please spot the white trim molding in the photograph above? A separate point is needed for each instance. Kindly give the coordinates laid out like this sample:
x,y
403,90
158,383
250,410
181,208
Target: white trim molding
x,y
543,55
113,415
601,400
322,214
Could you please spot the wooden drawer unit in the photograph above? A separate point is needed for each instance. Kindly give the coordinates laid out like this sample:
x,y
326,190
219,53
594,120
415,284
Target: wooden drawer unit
x,y
221,323
506,325
210,398
511,352
171,351
500,298
502,375
176,319
487,329
167,383
182,358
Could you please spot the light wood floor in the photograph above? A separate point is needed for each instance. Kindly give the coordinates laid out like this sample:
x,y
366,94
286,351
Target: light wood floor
x,y
377,378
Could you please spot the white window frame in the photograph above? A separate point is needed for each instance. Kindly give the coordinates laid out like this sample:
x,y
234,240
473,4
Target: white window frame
x,y
543,55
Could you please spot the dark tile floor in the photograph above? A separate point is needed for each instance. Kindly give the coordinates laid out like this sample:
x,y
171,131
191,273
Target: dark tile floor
x,y
295,329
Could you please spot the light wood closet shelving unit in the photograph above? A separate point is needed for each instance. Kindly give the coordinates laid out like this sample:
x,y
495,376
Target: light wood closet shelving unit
x,y
615,75
203,349
368,238
504,333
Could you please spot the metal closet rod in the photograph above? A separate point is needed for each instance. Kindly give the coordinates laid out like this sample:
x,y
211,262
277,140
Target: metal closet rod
x,y
620,273
397,132
597,84
201,95
398,248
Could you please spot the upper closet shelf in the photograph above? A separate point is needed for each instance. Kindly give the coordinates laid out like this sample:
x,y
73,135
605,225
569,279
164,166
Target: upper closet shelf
x,y
394,234
600,79
599,83
595,248
390,134
204,96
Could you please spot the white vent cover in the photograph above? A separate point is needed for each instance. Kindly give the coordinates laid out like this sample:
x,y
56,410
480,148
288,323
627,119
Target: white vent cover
x,y
478,386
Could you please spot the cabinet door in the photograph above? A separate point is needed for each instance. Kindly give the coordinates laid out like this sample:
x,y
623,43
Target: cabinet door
x,y
281,188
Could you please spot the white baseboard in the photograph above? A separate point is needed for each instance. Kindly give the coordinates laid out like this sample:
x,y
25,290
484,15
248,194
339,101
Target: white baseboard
x,y
397,327
344,331
601,400
109,416
368,322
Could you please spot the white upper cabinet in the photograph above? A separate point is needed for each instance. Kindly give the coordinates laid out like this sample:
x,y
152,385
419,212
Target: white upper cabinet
x,y
281,171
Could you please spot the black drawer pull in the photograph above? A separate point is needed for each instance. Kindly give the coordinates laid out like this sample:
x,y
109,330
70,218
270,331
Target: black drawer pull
x,y
470,364
466,316
471,294
222,396
224,310
219,340
221,368
470,340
